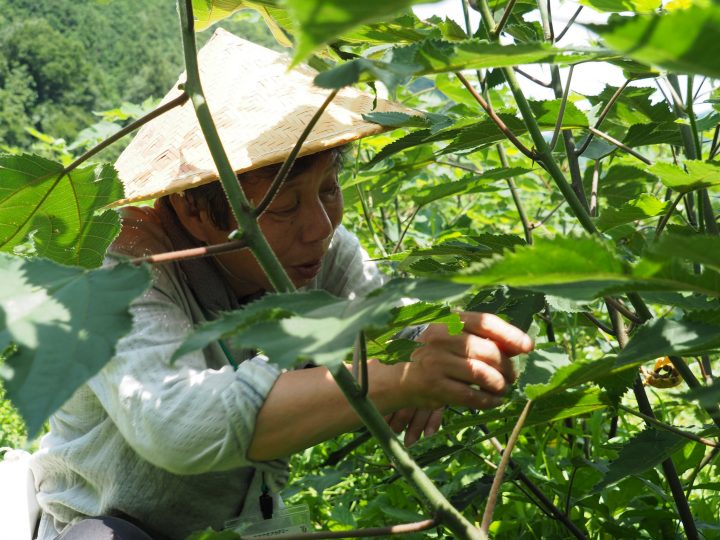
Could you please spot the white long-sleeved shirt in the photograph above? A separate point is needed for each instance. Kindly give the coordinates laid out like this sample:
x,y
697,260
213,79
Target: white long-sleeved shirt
x,y
167,444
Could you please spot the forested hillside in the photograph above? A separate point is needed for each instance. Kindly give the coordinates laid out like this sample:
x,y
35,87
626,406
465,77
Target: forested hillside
x,y
60,60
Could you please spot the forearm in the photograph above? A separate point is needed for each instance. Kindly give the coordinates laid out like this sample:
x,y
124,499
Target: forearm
x,y
306,407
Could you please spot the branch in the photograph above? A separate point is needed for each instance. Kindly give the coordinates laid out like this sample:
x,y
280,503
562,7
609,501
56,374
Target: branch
x,y
495,118
248,228
714,147
690,379
619,306
620,145
341,453
527,229
359,364
192,253
597,322
569,24
667,427
182,98
603,114
561,113
666,216
594,189
495,32
282,174
497,481
405,528
405,230
531,78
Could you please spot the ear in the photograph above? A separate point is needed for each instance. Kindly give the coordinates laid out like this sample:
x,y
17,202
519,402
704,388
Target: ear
x,y
196,222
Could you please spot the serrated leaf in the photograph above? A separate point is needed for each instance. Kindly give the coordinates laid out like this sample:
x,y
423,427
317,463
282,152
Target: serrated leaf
x,y
64,322
641,453
653,133
683,41
700,174
565,305
437,56
540,365
514,305
62,212
644,207
321,21
701,248
482,134
547,112
664,337
429,194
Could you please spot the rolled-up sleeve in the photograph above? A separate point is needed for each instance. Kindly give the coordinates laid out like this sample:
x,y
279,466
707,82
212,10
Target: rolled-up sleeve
x,y
182,417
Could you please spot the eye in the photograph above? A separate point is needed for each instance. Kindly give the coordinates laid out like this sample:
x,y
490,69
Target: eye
x,y
284,206
330,192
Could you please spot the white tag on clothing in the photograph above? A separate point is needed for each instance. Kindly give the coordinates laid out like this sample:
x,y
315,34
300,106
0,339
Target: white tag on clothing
x,y
291,519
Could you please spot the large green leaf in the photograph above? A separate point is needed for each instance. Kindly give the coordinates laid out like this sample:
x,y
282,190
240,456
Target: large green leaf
x,y
644,451
436,56
644,207
701,248
321,21
664,337
540,366
60,212
683,40
429,194
700,174
316,325
63,323
547,112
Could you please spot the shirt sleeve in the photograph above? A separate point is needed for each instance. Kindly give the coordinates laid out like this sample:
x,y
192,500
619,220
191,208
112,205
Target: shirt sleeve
x,y
202,419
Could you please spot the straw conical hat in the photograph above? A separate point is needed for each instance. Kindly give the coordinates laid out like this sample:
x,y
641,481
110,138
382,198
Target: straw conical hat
x,y
260,109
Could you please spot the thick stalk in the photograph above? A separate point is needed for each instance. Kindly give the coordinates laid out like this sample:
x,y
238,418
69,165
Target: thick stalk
x,y
543,153
669,471
388,441
249,230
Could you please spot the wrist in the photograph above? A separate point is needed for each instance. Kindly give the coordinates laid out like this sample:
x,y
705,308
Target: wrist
x,y
388,386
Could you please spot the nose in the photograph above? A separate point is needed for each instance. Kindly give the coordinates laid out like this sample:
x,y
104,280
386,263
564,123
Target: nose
x,y
316,224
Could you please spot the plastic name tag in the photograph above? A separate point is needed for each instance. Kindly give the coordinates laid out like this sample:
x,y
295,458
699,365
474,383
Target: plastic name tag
x,y
291,519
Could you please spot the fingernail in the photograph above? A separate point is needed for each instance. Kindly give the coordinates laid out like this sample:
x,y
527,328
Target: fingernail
x,y
527,343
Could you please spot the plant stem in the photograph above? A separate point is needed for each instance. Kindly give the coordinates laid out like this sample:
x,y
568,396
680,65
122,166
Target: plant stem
x,y
569,24
597,322
495,118
594,189
619,306
182,98
542,153
368,221
410,219
531,78
666,216
504,460
692,381
527,229
545,18
667,427
192,253
249,231
620,145
495,32
603,114
669,471
405,528
379,428
282,174
561,113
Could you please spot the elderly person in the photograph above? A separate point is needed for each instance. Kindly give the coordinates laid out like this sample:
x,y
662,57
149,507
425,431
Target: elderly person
x,y
154,449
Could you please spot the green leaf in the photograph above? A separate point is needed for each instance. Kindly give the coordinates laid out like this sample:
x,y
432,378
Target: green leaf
x,y
428,194
60,212
706,396
702,248
321,21
644,451
540,366
700,174
316,325
644,207
623,5
64,322
653,133
482,134
436,56
664,337
682,40
547,112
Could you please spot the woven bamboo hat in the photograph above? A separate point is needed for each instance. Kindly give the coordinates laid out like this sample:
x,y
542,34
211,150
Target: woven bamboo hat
x,y
260,109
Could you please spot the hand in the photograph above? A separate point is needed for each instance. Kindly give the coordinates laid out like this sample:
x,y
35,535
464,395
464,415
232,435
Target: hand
x,y
415,422
472,368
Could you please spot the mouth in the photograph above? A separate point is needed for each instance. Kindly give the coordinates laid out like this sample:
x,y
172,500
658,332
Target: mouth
x,y
308,270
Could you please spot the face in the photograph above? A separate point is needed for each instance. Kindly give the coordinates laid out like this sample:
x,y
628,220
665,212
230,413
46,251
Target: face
x,y
298,225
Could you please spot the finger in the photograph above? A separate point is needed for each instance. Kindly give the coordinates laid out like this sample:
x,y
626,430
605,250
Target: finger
x,y
509,338
433,423
463,394
416,426
400,419
486,350
478,372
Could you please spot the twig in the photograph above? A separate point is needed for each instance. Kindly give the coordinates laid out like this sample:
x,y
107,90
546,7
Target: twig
x,y
341,453
495,32
282,174
703,463
597,322
405,230
495,118
531,78
368,221
527,229
667,427
676,99
548,215
714,147
622,308
620,145
603,114
568,496
543,6
497,481
405,528
569,24
359,364
561,113
594,189
182,98
192,253
666,216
